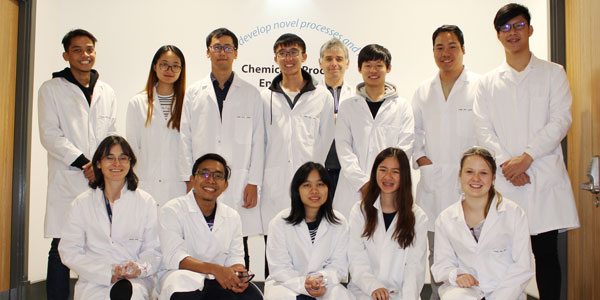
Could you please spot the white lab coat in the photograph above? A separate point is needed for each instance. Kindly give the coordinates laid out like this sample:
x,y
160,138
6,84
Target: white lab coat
x,y
359,138
292,138
346,92
69,127
532,115
184,232
502,259
238,136
292,256
156,147
444,129
90,244
380,262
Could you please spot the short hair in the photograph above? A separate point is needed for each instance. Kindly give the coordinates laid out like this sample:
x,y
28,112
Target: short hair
x,y
103,151
215,157
289,39
297,212
509,11
333,43
219,32
66,41
374,52
449,28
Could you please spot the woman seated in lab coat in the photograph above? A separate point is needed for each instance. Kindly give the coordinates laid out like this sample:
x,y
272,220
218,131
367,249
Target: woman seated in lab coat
x,y
153,118
388,234
307,243
482,243
110,236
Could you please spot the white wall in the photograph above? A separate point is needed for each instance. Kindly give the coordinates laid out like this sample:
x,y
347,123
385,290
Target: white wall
x,y
129,32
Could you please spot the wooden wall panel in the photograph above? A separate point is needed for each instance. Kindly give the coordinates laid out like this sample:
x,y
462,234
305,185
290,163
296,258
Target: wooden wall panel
x,y
583,70
9,15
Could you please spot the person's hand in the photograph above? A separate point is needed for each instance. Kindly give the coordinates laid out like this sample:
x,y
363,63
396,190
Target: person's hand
x,y
516,166
466,281
314,287
240,271
520,180
88,172
250,196
131,270
226,277
423,161
381,294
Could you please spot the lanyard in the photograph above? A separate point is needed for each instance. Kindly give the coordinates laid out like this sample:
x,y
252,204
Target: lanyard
x,y
108,210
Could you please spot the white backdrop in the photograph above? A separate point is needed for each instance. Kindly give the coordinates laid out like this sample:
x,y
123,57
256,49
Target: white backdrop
x,y
129,32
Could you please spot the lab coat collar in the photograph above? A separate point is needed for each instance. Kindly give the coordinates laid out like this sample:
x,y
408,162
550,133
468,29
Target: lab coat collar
x,y
309,86
463,77
193,208
506,70
492,217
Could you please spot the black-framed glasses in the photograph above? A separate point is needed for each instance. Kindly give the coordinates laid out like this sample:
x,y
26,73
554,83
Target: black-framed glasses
x,y
216,175
245,276
123,159
285,53
216,48
517,26
165,66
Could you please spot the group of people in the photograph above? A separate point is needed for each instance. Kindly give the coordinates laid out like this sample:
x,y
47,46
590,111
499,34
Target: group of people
x,y
134,223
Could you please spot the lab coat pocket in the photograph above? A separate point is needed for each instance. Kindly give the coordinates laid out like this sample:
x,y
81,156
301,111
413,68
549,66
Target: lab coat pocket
x,y
465,124
307,129
243,129
103,125
427,178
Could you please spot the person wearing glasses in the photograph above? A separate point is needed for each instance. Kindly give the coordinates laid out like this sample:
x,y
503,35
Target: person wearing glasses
x,y
308,243
388,234
76,111
334,62
201,240
482,246
223,114
299,124
153,122
110,234
443,110
375,119
522,113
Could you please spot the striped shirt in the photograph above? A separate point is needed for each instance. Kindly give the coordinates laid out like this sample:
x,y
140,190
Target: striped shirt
x,y
165,104
312,229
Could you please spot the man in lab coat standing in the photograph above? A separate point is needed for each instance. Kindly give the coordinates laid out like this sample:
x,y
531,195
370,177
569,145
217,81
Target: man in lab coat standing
x,y
76,111
334,62
522,113
299,124
222,114
444,129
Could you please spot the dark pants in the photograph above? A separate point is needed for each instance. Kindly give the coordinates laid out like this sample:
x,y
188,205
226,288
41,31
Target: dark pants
x,y
57,278
266,262
122,290
334,174
547,267
246,255
213,290
304,297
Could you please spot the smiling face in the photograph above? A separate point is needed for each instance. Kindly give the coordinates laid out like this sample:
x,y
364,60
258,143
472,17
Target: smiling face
x,y
476,177
290,59
516,41
115,165
448,53
388,176
81,54
334,64
373,72
167,59
207,187
313,191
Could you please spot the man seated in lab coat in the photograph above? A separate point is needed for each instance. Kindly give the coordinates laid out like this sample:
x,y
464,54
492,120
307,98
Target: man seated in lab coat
x,y
222,114
334,62
201,240
522,113
76,111
443,109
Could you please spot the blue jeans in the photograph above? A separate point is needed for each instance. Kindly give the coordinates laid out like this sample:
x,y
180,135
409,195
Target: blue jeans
x,y
57,278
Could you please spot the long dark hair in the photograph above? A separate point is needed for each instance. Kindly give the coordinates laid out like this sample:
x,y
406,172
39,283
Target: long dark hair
x,y
297,213
405,221
178,86
103,151
489,159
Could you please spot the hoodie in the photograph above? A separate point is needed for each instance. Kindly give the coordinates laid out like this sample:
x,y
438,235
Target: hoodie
x,y
390,92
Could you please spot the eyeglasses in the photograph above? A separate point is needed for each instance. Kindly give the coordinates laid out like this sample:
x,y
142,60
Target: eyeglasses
x,y
216,48
291,53
245,275
164,67
123,159
216,175
517,26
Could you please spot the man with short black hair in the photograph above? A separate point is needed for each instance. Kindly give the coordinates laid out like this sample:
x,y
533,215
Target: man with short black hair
x,y
76,111
522,113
